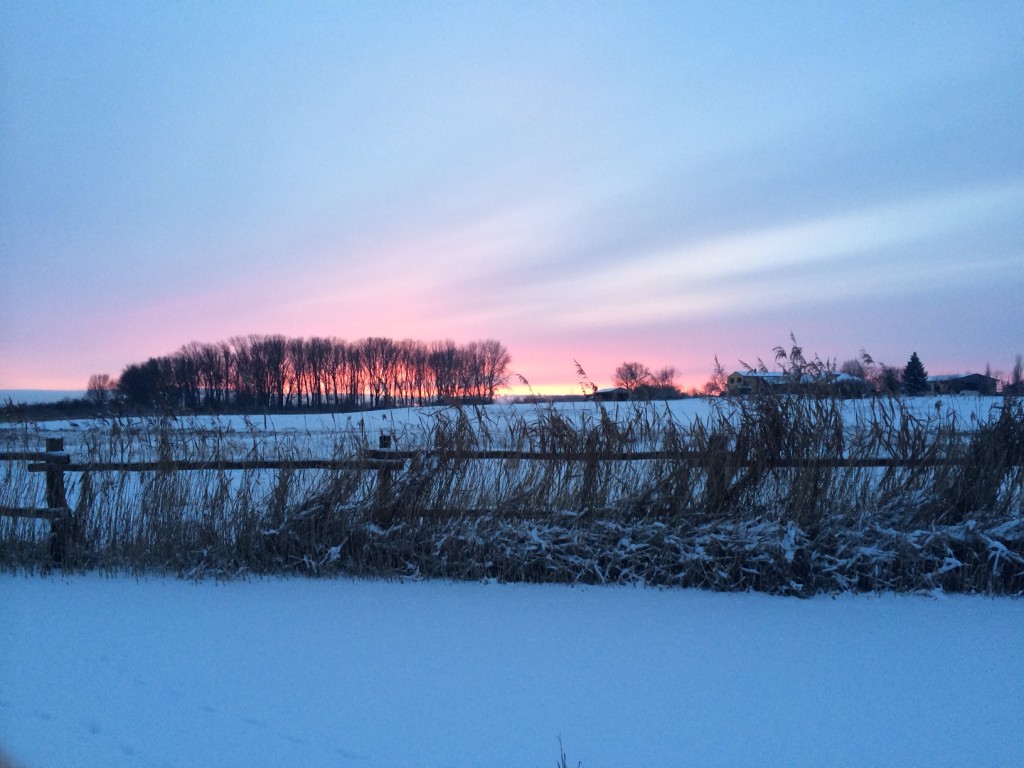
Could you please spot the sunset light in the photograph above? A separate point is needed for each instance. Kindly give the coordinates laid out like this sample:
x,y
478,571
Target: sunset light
x,y
451,383
585,183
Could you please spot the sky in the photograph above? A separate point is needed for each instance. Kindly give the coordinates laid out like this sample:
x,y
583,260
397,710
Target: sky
x,y
596,182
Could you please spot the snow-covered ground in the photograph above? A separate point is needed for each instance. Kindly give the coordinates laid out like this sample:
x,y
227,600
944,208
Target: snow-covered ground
x,y
111,672
330,434
35,396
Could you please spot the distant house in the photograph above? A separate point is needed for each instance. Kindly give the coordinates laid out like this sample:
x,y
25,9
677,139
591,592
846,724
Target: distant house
x,y
609,394
755,382
955,383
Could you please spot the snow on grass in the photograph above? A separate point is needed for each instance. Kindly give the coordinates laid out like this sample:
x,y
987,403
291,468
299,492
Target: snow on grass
x,y
113,672
324,435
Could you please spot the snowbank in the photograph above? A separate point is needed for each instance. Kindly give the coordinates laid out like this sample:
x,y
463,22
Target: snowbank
x,y
114,672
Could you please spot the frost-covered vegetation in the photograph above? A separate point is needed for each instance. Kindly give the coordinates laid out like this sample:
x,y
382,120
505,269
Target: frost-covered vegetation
x,y
785,494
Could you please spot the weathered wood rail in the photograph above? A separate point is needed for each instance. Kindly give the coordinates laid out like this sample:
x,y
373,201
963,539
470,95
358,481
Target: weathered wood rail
x,y
62,523
55,462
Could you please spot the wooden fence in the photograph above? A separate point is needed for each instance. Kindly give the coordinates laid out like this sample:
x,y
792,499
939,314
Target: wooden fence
x,y
55,462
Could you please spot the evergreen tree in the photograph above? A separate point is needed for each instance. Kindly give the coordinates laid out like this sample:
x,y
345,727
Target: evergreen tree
x,y
915,377
1014,386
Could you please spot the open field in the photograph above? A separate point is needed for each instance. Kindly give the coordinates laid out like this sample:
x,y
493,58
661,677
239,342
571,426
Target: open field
x,y
109,664
110,672
785,494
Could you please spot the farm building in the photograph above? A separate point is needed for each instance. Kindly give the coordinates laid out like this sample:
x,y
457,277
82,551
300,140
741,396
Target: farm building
x,y
609,394
954,383
754,382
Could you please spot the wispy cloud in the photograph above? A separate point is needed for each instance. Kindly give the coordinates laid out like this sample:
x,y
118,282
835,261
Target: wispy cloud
x,y
693,278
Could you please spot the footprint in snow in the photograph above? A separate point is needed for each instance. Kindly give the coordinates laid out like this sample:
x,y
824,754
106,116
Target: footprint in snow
x,y
349,755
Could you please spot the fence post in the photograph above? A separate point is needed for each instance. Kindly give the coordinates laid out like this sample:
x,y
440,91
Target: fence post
x,y
55,474
383,473
61,524
719,472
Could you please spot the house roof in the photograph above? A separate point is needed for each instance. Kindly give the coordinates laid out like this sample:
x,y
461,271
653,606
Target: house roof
x,y
764,375
849,378
776,377
955,376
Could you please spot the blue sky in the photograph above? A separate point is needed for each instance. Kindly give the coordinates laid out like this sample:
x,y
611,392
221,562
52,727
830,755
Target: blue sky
x,y
592,181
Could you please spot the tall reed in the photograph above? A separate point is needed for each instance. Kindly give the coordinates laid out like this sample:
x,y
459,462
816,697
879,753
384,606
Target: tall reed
x,y
779,494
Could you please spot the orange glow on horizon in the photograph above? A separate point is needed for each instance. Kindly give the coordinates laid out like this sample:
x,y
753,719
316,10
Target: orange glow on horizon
x,y
686,385
542,390
45,384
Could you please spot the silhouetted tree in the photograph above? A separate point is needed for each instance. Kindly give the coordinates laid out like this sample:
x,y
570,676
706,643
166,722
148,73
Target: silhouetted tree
x,y
1014,386
632,375
889,379
318,357
915,377
445,362
493,360
661,385
100,388
184,369
274,372
148,385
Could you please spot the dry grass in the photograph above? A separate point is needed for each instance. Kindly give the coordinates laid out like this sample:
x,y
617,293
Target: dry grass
x,y
773,494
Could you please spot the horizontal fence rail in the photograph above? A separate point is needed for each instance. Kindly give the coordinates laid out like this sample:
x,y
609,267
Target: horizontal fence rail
x,y
57,461
374,461
175,465
34,513
720,463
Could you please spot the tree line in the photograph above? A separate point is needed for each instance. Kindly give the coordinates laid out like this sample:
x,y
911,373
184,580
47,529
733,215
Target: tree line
x,y
268,373
878,377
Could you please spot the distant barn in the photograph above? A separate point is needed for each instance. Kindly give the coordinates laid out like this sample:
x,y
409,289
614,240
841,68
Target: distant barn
x,y
955,383
757,382
609,394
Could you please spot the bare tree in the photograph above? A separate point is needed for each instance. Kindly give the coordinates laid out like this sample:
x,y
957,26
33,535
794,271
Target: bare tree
x,y
318,357
300,373
1015,384
275,372
889,379
494,362
853,367
665,378
213,367
632,375
184,368
445,363
100,388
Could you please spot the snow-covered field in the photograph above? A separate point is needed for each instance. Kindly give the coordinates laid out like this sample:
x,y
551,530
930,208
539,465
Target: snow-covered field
x,y
113,672
329,434
35,396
